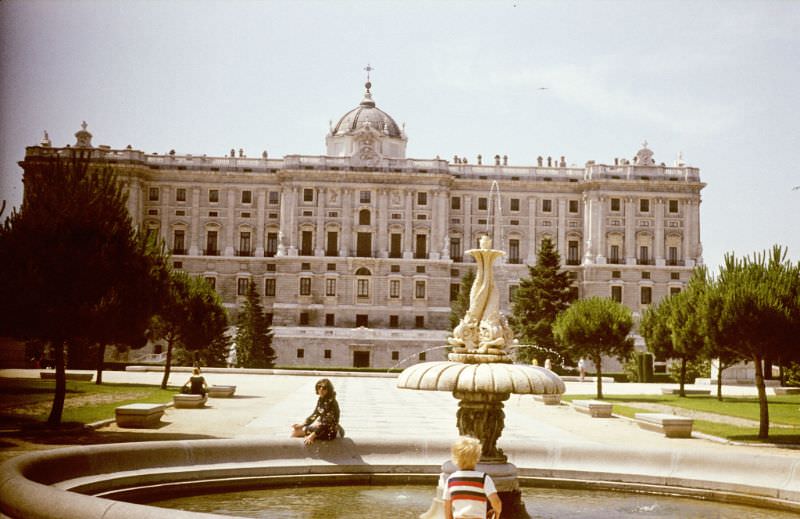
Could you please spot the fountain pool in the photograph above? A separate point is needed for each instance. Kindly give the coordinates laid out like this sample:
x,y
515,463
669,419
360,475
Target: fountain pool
x,y
409,501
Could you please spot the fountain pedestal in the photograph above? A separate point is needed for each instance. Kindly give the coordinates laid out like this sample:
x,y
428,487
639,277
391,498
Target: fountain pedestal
x,y
481,375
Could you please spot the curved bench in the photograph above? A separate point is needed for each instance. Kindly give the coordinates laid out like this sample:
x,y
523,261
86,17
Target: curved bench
x,y
81,482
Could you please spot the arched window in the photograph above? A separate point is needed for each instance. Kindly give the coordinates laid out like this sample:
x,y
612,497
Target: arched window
x,y
363,271
363,217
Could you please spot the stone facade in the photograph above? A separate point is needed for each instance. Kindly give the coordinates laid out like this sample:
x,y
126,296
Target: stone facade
x,y
358,252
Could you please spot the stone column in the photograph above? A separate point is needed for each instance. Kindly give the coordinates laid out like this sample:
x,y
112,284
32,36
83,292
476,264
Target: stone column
x,y
436,240
319,239
283,230
630,231
164,224
659,233
467,204
696,242
231,223
294,203
562,229
347,222
383,223
408,252
444,224
532,239
601,230
261,208
195,233
588,256
134,201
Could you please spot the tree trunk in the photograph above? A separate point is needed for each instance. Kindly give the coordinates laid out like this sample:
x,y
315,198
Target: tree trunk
x,y
101,357
167,364
719,381
61,383
682,390
599,372
763,406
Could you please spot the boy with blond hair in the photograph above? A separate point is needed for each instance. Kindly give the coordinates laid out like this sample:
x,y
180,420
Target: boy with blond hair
x,y
468,491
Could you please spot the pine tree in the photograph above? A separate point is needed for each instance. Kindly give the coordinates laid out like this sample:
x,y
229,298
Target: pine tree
x,y
594,328
69,260
254,337
540,297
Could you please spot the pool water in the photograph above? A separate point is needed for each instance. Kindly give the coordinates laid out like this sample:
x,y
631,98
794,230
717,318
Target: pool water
x,y
409,501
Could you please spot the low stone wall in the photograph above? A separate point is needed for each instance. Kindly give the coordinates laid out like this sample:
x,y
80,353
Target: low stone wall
x,y
53,484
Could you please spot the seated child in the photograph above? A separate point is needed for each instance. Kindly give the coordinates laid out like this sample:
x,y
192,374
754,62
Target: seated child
x,y
467,491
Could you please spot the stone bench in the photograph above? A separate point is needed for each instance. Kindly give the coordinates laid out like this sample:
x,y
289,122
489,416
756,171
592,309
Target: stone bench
x,y
671,425
139,415
183,401
554,399
786,390
595,408
686,391
221,391
70,375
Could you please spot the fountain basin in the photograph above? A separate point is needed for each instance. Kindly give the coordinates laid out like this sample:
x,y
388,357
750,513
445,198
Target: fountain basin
x,y
76,482
499,378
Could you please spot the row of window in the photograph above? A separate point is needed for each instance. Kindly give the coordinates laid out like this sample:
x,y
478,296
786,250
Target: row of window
x,y
362,320
363,357
363,286
365,197
645,294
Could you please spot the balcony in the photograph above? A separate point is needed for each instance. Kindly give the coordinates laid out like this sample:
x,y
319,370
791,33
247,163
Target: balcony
x,y
457,259
178,252
269,253
675,263
645,261
244,252
615,261
573,261
514,261
210,252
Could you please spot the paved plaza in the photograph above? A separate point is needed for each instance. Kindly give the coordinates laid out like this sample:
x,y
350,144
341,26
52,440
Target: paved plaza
x,y
371,406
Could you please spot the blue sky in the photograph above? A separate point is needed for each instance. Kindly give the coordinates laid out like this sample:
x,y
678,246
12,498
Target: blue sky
x,y
715,81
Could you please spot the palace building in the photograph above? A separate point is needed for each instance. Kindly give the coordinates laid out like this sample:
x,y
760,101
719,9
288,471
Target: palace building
x,y
358,253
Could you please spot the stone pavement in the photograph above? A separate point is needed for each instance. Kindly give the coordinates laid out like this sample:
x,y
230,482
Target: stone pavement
x,y
266,404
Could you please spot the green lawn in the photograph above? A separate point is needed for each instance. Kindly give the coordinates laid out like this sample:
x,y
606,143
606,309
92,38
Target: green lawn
x,y
783,410
24,401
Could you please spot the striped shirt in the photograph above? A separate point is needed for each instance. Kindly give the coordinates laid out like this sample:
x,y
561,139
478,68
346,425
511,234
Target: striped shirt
x,y
468,491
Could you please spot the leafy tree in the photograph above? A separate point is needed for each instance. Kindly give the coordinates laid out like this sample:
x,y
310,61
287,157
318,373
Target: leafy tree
x,y
595,327
254,337
123,315
70,248
460,306
540,297
192,322
753,310
675,327
204,340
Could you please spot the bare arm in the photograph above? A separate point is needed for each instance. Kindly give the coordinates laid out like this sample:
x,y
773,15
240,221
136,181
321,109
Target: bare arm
x,y
448,509
497,505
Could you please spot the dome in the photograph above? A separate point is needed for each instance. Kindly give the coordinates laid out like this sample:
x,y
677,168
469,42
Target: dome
x,y
367,114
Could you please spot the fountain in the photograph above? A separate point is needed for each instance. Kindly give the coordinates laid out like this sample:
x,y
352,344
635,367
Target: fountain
x,y
480,374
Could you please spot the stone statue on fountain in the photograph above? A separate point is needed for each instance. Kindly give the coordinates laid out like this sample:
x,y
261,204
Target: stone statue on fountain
x,y
483,333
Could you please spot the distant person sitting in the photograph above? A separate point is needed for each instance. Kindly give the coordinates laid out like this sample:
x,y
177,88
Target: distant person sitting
x,y
323,423
470,493
196,385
